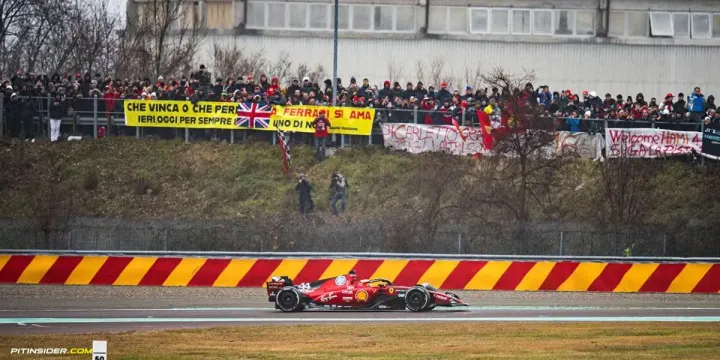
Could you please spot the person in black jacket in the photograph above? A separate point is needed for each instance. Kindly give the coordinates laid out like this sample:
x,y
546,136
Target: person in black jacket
x,y
27,112
13,111
57,111
304,189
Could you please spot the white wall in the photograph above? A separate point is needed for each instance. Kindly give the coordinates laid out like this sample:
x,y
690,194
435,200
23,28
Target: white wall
x,y
627,69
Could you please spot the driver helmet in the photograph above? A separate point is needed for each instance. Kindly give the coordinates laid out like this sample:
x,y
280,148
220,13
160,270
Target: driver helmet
x,y
352,275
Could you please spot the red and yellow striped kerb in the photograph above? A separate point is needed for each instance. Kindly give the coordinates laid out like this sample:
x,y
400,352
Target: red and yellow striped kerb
x,y
445,274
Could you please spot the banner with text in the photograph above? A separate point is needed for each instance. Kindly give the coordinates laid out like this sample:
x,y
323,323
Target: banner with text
x,y
416,139
711,143
253,116
343,120
583,145
181,114
651,143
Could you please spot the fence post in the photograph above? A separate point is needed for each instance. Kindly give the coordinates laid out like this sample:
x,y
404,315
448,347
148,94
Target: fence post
x,y
165,237
95,116
463,118
187,135
137,132
2,116
664,243
459,242
415,115
702,131
562,243
232,136
49,102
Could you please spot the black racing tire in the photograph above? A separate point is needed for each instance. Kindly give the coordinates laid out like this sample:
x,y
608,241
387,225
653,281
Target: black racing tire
x,y
417,299
288,300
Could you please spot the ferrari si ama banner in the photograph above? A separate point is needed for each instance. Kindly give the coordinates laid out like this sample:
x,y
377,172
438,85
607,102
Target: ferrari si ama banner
x,y
651,143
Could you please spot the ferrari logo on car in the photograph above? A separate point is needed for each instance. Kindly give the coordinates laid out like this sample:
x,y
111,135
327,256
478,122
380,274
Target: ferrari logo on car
x,y
391,290
361,295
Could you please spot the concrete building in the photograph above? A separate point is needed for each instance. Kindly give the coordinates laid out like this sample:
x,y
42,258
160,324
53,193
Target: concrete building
x,y
616,46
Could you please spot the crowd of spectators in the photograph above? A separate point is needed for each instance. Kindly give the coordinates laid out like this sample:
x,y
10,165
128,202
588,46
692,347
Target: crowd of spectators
x,y
435,105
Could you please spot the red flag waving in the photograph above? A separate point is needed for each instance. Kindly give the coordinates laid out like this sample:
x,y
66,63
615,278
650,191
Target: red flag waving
x,y
457,127
486,128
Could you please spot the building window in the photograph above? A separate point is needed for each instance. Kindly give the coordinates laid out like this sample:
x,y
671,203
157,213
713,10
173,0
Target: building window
x,y
521,22
661,24
405,18
298,15
617,23
542,22
255,15
716,26
383,18
585,24
637,23
700,26
343,17
319,16
681,25
499,21
276,15
564,22
479,21
361,17
457,20
438,19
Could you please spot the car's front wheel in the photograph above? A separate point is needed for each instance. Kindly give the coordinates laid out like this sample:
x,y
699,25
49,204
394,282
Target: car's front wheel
x,y
288,300
417,299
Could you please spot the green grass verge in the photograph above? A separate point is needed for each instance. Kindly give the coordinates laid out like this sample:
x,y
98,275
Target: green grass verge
x,y
407,341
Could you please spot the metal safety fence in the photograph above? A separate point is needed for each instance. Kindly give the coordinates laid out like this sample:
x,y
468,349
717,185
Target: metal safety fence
x,y
496,239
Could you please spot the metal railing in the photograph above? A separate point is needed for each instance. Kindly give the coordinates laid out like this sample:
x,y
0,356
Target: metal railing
x,y
90,114
497,239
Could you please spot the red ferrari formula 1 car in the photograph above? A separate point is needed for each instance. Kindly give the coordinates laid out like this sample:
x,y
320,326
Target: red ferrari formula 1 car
x,y
346,292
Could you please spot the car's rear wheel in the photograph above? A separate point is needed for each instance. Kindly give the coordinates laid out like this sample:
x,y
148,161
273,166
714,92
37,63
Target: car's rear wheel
x,y
288,300
417,299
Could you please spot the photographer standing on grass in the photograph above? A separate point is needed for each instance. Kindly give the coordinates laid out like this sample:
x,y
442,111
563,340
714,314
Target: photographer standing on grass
x,y
304,189
338,187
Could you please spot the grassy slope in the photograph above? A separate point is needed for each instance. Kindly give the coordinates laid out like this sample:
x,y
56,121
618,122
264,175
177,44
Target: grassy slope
x,y
195,181
416,341
161,179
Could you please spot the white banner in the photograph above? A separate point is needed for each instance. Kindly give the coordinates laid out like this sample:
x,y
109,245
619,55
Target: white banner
x,y
416,138
583,144
651,143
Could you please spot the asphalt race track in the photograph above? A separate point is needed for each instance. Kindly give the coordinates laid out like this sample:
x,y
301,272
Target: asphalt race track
x,y
36,309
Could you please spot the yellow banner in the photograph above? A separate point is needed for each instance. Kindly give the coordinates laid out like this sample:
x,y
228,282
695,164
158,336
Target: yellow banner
x,y
181,114
243,116
343,120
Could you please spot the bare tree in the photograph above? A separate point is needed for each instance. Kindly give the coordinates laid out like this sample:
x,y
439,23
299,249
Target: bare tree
x,y
436,71
395,71
162,37
280,68
419,71
58,35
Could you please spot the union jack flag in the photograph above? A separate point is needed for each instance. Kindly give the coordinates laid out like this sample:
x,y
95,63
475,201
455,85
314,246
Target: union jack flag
x,y
253,115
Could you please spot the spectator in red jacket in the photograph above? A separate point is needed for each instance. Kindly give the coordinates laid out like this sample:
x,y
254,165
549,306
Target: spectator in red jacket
x,y
321,125
427,105
110,98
